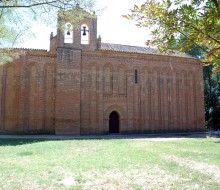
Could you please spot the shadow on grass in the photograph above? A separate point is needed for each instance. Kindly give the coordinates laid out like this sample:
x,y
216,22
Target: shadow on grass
x,y
17,142
6,140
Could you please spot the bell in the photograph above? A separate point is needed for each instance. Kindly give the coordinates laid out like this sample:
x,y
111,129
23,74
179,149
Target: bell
x,y
68,33
84,31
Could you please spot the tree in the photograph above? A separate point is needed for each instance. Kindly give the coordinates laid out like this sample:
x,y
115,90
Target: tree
x,y
211,92
197,21
212,98
16,17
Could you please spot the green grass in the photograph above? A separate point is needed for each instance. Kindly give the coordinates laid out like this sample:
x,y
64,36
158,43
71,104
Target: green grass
x,y
110,164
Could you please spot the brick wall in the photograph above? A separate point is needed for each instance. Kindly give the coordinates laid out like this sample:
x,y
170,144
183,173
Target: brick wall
x,y
74,88
67,92
75,91
167,98
27,95
1,96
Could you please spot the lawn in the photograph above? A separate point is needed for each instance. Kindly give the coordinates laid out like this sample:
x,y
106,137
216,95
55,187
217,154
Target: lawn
x,y
152,163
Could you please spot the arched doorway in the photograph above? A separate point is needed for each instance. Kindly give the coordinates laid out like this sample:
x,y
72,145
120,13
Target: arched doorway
x,y
114,122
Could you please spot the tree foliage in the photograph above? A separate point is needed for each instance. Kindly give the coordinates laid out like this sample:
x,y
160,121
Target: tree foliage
x,y
212,98
17,16
211,92
197,21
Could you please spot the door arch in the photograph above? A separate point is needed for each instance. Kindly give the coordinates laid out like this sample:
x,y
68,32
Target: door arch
x,y
114,122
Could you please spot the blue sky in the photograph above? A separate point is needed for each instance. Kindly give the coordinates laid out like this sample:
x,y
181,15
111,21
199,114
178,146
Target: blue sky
x,y
112,27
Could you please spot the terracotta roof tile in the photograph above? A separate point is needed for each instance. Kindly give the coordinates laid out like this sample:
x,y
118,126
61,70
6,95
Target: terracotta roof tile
x,y
136,49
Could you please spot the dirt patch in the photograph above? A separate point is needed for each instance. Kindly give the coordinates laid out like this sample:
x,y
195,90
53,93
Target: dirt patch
x,y
144,179
166,139
24,183
202,167
157,139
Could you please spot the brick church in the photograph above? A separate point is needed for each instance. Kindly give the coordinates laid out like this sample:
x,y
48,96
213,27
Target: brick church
x,y
83,86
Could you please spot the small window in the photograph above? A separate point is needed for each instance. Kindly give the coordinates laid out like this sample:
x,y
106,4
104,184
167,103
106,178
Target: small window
x,y
84,34
136,76
68,33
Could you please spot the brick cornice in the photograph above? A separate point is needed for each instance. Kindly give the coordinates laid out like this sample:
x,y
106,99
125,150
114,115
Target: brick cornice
x,y
138,56
41,54
35,52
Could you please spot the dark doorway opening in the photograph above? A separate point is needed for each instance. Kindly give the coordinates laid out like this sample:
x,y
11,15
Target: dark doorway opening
x,y
114,122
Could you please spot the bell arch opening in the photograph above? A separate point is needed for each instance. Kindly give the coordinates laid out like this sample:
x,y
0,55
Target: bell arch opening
x,y
68,33
84,34
114,123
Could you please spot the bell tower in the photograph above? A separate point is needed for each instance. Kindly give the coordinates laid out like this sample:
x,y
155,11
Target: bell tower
x,y
71,41
82,35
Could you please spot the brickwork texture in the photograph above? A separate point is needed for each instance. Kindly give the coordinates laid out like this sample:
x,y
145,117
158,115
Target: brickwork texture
x,y
73,88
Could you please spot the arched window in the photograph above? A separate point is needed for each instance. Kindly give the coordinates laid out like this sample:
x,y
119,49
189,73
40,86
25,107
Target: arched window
x,y
84,34
136,76
68,33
